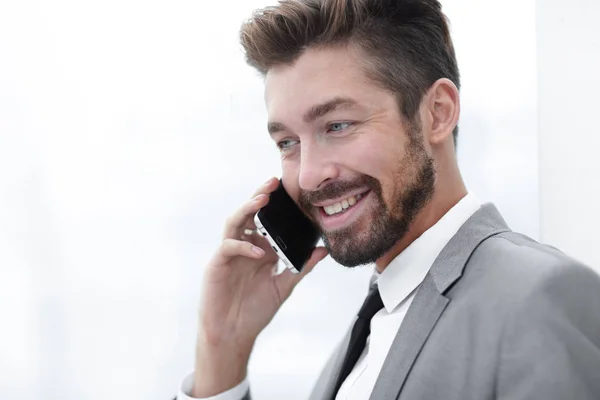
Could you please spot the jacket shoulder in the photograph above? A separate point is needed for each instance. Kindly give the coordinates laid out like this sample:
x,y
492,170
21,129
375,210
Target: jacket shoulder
x,y
509,268
524,262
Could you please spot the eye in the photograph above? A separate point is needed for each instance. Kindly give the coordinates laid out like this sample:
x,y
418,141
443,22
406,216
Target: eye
x,y
338,126
286,144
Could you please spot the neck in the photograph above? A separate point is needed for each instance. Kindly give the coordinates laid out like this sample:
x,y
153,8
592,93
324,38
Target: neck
x,y
442,201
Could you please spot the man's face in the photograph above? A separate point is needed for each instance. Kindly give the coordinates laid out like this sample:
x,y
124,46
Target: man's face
x,y
348,158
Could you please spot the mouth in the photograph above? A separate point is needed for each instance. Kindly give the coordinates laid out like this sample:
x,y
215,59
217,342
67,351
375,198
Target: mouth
x,y
342,213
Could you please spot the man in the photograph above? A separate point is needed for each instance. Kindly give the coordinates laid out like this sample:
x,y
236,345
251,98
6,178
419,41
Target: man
x,y
363,103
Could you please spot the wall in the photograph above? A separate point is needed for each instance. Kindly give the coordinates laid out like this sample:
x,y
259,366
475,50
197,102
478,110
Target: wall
x,y
568,52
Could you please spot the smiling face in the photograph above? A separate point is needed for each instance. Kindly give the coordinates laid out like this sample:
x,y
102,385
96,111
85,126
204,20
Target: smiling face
x,y
353,164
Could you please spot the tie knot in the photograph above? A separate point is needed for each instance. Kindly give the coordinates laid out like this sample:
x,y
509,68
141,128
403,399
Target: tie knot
x,y
372,304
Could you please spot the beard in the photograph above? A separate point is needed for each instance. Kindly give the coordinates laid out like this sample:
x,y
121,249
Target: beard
x,y
387,225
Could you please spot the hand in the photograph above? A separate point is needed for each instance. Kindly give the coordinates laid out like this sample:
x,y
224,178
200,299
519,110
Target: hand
x,y
241,296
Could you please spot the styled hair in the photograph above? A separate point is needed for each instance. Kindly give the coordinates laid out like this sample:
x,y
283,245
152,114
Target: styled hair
x,y
405,45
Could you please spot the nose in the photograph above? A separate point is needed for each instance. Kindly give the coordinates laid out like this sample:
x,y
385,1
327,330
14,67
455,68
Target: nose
x,y
316,166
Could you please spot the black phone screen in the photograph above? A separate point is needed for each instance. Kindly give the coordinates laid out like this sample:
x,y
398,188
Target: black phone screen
x,y
295,234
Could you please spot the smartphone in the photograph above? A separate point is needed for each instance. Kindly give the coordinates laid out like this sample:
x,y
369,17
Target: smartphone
x,y
289,231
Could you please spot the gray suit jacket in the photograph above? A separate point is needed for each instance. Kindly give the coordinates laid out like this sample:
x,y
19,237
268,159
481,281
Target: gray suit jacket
x,y
499,316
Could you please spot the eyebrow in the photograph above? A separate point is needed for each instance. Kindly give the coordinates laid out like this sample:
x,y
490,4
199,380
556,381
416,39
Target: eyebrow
x,y
315,112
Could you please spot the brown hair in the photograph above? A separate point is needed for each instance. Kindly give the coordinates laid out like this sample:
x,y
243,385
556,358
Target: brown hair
x,y
406,44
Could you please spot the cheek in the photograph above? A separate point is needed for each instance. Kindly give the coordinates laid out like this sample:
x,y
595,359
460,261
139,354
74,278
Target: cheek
x,y
376,158
290,177
381,159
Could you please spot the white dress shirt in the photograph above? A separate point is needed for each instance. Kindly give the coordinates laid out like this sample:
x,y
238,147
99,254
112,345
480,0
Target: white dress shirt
x,y
397,286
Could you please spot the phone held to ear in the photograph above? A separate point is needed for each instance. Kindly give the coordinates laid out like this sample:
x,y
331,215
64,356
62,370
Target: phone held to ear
x,y
289,231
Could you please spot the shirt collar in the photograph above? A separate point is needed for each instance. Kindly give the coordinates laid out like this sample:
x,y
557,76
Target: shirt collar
x,y
405,272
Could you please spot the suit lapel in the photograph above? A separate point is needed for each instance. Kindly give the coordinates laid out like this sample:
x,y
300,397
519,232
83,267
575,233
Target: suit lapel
x,y
430,302
428,306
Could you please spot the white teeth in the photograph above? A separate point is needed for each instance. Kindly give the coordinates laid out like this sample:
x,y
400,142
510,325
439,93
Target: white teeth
x,y
343,205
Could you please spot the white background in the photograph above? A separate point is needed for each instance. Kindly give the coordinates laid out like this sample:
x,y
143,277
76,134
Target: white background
x,y
569,83
129,130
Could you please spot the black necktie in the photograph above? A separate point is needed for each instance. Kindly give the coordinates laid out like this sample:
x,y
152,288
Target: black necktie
x,y
360,332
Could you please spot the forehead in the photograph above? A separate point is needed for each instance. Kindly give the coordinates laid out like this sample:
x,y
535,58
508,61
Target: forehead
x,y
316,77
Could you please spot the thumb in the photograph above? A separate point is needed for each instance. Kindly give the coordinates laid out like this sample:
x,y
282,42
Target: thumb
x,y
288,280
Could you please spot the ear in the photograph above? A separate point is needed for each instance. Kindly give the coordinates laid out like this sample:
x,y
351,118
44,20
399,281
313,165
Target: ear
x,y
443,108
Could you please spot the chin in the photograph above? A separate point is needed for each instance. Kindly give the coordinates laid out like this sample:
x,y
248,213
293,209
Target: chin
x,y
351,246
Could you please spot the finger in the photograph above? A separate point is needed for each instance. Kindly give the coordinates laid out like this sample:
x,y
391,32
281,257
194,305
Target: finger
x,y
288,280
235,248
250,226
248,232
260,241
267,187
236,223
244,216
263,243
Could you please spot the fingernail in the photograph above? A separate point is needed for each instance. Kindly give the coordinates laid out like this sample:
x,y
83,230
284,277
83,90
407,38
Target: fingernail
x,y
259,197
258,251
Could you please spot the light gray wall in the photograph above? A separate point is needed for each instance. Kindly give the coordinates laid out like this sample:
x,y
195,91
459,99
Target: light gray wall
x,y
568,64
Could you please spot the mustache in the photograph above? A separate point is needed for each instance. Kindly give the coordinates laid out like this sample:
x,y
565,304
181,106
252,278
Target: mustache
x,y
336,189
